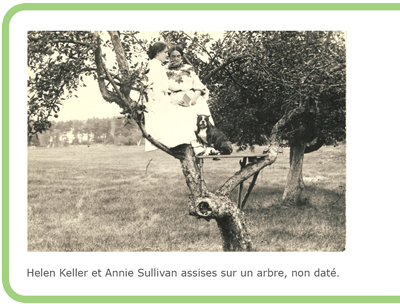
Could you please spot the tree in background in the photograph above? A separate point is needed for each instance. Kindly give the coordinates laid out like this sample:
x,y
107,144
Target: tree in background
x,y
236,63
256,78
77,131
283,72
102,131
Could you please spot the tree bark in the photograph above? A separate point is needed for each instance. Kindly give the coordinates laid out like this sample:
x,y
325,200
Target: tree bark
x,y
206,205
294,194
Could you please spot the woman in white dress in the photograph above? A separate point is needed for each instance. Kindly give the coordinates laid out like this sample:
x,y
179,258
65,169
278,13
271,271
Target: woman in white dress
x,y
164,121
184,81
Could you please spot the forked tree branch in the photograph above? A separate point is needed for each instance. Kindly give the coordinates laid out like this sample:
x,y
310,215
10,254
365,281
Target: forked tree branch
x,y
118,97
270,155
106,94
123,102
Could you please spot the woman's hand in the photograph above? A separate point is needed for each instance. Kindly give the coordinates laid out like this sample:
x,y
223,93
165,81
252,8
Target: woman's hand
x,y
195,97
182,103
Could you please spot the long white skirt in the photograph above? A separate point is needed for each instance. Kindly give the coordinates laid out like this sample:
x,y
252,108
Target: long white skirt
x,y
172,125
200,108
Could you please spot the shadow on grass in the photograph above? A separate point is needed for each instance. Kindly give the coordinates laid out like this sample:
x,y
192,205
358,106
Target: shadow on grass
x,y
318,226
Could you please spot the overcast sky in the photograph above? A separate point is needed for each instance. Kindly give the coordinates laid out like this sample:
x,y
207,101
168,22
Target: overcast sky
x,y
88,104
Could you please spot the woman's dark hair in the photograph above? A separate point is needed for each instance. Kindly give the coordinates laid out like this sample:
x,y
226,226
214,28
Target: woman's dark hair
x,y
156,48
175,48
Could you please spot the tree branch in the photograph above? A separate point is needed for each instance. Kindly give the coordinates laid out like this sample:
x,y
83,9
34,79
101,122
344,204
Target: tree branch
x,y
128,106
107,95
203,48
123,102
271,153
282,81
314,145
137,40
187,60
235,81
66,41
217,69
122,64
216,53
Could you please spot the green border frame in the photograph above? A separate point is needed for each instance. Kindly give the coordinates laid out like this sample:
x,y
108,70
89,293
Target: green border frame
x,y
152,6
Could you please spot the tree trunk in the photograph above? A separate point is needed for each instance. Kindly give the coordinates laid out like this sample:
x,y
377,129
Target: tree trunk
x,y
294,194
206,205
202,203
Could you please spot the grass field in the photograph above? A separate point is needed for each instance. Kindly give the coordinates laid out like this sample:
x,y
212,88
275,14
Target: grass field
x,y
108,198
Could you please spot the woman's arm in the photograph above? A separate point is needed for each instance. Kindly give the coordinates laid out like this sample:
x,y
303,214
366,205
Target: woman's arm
x,y
198,87
195,97
157,77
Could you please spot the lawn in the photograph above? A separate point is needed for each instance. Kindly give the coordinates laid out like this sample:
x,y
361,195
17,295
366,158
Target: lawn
x,y
109,198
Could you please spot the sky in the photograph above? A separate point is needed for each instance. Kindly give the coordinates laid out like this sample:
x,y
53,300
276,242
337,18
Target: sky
x,y
90,103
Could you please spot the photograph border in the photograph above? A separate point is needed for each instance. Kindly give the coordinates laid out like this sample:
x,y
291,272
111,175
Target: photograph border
x,y
152,7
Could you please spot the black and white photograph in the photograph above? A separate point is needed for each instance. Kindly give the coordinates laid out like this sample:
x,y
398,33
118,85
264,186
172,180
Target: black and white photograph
x,y
186,141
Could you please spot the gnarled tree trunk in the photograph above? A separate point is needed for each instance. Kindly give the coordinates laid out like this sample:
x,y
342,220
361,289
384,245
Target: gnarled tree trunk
x,y
202,203
218,206
206,205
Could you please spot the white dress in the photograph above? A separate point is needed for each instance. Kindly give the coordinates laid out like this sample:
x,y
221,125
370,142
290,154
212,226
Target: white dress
x,y
183,80
164,121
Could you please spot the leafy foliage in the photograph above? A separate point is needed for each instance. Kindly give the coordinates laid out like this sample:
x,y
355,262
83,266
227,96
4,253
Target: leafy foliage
x,y
283,71
254,78
57,62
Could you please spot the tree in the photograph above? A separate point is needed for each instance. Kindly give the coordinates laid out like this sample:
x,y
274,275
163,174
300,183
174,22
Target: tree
x,y
278,73
60,60
78,130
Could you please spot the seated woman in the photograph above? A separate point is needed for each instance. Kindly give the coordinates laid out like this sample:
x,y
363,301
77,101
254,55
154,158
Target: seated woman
x,y
165,122
186,87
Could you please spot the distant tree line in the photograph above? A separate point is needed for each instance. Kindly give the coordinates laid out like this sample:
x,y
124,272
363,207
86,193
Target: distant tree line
x,y
108,131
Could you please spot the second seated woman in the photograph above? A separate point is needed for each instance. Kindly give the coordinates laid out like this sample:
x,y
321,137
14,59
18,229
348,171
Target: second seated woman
x,y
186,87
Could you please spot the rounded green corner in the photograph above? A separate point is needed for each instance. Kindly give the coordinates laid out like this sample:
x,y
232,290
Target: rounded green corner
x,y
154,299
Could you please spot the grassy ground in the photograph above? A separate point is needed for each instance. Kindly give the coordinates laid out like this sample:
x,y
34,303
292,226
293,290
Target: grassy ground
x,y
107,198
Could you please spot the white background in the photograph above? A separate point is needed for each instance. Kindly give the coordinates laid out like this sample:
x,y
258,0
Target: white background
x,y
369,266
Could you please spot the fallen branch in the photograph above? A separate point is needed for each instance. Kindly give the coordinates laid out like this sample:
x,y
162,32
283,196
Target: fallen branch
x,y
148,165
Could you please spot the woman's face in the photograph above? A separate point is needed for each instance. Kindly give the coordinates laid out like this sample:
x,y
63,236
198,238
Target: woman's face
x,y
175,56
163,55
